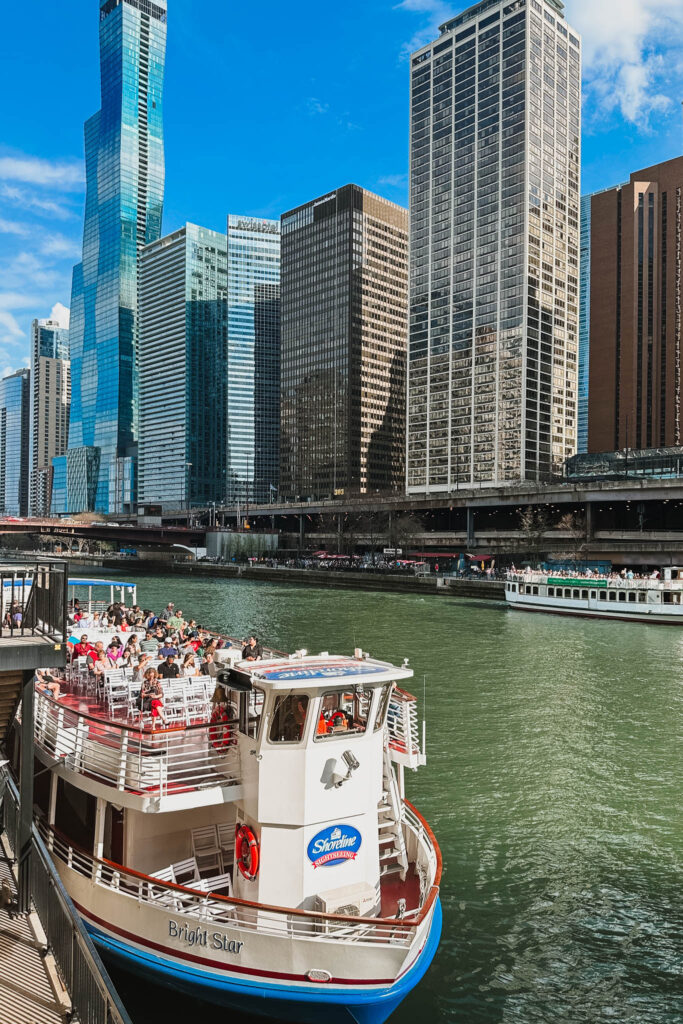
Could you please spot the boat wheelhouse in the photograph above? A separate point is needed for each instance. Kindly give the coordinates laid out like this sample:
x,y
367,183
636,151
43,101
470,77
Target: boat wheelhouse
x,y
259,851
658,600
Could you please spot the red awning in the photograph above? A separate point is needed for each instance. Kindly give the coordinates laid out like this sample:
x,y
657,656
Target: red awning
x,y
480,558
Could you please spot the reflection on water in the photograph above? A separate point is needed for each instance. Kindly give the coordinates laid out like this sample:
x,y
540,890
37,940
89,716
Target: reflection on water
x,y
553,786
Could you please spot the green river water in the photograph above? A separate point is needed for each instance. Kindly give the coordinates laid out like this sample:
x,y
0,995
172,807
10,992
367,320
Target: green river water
x,y
553,785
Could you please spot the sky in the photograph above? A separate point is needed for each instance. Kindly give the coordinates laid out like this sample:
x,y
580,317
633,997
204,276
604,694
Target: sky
x,y
269,105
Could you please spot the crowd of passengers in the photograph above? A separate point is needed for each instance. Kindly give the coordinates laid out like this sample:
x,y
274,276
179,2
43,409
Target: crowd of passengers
x,y
593,574
172,647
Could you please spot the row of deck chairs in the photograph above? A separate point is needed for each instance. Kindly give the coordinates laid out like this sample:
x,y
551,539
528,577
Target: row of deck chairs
x,y
187,699
186,873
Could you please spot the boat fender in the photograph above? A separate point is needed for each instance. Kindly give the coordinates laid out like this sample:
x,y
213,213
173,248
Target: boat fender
x,y
220,735
246,852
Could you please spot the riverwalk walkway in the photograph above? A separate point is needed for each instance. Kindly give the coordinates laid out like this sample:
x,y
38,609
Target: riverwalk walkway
x,y
31,991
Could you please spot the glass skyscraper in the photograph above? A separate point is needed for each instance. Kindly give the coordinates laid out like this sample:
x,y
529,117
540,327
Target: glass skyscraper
x,y
253,396
15,422
50,401
124,157
183,344
494,203
584,323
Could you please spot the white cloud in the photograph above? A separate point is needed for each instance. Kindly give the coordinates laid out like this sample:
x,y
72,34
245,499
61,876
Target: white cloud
x,y
59,245
29,201
10,331
316,106
393,180
13,227
61,314
436,12
34,171
632,53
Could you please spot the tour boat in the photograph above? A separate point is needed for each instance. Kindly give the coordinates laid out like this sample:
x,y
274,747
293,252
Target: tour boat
x,y
257,852
648,599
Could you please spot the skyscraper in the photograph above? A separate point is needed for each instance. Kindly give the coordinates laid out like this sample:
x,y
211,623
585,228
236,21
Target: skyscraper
x,y
183,332
344,334
253,399
635,314
584,323
494,202
15,422
50,402
124,157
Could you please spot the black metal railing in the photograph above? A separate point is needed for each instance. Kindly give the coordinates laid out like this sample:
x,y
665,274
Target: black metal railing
x,y
93,996
33,601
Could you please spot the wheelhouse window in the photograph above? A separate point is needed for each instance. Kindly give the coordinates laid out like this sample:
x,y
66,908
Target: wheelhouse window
x,y
255,701
289,718
384,698
343,712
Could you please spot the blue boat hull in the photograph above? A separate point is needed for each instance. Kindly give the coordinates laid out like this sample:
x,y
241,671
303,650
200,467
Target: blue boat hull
x,y
275,1001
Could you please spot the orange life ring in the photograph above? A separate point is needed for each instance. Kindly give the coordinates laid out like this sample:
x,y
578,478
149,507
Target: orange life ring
x,y
335,718
246,852
220,735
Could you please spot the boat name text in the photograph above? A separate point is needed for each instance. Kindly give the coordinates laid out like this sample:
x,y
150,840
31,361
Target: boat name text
x,y
202,937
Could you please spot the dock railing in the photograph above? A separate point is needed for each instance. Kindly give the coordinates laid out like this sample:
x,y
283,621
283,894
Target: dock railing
x,y
33,601
92,993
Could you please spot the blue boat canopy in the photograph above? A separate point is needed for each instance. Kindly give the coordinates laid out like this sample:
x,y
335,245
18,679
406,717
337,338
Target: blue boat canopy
x,y
101,583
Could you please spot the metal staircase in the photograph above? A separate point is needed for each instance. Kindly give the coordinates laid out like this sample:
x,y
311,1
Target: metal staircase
x,y
10,694
393,855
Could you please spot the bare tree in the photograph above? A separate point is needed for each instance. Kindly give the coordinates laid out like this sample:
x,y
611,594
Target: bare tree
x,y
533,524
575,526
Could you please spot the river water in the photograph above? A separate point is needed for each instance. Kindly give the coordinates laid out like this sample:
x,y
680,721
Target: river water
x,y
553,785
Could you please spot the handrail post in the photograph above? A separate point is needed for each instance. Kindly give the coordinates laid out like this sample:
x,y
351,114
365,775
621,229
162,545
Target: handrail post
x,y
24,841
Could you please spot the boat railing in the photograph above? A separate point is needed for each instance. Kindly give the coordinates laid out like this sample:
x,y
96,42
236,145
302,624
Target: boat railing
x,y
93,996
215,909
403,727
588,581
130,758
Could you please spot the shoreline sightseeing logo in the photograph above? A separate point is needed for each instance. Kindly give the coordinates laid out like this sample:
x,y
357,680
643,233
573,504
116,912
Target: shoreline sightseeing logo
x,y
334,845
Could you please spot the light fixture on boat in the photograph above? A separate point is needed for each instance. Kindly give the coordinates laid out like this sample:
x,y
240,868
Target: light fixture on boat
x,y
352,764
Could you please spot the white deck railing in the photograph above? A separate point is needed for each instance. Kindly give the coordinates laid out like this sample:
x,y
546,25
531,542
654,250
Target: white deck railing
x,y
256,917
156,763
403,728
616,582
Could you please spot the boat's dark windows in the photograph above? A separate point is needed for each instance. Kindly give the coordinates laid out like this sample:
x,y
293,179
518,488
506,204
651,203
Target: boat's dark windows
x,y
667,597
255,701
75,814
612,595
382,706
622,595
567,593
575,595
343,712
514,588
584,595
593,595
603,595
632,597
534,590
641,597
289,718
551,591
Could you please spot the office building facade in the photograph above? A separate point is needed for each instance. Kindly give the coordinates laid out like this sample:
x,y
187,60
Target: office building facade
x,y
253,399
494,275
50,404
584,325
15,430
183,367
344,335
124,156
635,315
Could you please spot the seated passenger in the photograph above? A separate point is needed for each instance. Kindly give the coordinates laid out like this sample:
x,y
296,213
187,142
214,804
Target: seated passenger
x,y
46,683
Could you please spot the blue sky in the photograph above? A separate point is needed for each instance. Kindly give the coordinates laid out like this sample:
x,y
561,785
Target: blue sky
x,y
271,104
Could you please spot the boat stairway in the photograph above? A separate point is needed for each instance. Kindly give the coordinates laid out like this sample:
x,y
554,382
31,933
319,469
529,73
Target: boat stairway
x,y
393,855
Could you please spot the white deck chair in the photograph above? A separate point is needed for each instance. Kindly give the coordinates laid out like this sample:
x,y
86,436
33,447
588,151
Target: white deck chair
x,y
205,847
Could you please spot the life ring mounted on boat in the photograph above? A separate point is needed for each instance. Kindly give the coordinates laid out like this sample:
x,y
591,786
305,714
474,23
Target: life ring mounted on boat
x,y
220,733
338,718
246,852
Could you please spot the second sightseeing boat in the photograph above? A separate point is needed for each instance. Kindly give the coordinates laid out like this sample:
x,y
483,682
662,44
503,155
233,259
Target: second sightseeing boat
x,y
259,851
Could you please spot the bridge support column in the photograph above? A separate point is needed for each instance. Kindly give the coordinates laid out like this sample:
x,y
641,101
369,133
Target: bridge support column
x,y
470,526
301,531
589,522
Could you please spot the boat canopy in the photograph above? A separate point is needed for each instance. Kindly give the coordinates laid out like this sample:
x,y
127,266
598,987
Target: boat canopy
x,y
101,583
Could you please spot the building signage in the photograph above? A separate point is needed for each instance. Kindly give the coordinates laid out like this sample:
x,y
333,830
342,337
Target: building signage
x,y
189,936
333,845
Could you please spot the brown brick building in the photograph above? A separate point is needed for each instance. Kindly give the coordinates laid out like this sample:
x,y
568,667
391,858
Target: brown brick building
x,y
635,312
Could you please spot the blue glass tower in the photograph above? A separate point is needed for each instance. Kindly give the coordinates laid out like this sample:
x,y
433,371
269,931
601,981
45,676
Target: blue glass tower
x,y
15,406
124,156
584,322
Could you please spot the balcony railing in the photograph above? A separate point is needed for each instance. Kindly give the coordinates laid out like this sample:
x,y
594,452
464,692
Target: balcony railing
x,y
33,601
93,996
257,917
158,763
403,728
617,582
